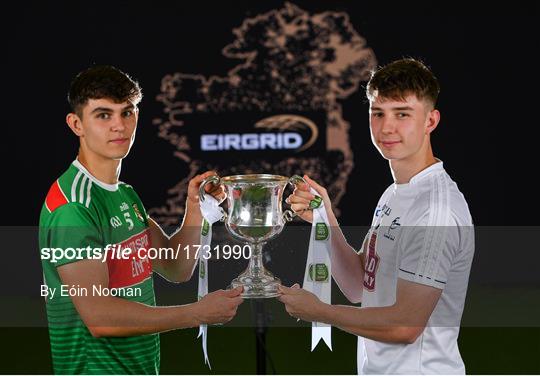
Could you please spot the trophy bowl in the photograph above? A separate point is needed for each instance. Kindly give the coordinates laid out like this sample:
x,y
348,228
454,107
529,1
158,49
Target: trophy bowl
x,y
254,217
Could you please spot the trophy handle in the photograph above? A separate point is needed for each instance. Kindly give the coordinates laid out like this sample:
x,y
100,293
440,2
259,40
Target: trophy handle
x,y
214,179
288,215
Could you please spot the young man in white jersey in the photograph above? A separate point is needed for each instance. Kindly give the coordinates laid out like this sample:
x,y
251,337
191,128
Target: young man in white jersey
x,y
87,206
411,274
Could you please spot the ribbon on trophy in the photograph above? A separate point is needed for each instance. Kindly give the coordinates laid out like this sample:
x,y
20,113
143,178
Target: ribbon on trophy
x,y
212,213
318,274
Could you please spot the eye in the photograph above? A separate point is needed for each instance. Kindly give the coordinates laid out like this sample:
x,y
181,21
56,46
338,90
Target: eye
x,y
127,113
402,114
104,115
377,114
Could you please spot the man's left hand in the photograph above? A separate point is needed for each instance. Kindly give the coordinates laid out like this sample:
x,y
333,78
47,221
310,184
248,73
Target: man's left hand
x,y
300,303
193,189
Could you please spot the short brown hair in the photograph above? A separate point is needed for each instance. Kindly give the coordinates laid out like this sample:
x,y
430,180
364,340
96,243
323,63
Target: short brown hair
x,y
102,81
401,78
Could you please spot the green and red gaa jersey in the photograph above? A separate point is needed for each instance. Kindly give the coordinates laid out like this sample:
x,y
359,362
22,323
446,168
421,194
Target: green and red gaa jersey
x,y
81,211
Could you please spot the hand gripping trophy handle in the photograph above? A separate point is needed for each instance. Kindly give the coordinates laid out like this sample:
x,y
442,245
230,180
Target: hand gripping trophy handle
x,y
288,215
216,180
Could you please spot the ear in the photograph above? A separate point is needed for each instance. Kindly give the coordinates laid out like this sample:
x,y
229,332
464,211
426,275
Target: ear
x,y
75,123
433,118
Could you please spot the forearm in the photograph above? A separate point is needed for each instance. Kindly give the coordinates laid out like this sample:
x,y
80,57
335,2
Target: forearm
x,y
186,241
347,268
384,324
117,317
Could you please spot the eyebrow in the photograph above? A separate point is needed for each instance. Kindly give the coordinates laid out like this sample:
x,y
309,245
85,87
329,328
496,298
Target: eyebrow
x,y
107,109
404,108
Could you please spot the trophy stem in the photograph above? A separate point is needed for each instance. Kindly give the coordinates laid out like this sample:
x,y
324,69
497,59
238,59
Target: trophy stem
x,y
257,281
256,262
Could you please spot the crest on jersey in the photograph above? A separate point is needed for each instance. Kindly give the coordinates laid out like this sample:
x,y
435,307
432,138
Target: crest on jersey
x,y
390,234
137,212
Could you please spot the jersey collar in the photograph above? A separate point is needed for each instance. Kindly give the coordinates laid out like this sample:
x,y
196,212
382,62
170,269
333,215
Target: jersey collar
x,y
425,172
422,174
106,186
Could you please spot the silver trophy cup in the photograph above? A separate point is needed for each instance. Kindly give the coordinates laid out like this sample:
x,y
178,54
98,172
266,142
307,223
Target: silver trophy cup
x,y
254,217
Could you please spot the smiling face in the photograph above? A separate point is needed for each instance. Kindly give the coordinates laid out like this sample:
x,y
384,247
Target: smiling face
x,y
106,129
400,129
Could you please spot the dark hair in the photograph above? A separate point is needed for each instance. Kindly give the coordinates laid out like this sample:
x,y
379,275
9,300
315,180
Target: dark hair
x,y
102,81
401,78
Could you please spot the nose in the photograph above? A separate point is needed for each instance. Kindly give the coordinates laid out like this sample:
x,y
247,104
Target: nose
x,y
118,124
388,126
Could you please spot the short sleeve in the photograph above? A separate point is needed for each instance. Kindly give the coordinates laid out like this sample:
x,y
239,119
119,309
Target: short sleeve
x,y
72,234
427,252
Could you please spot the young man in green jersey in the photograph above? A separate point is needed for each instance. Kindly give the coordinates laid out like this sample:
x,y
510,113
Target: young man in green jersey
x,y
100,297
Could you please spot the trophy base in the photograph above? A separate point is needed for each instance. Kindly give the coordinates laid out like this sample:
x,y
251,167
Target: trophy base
x,y
257,287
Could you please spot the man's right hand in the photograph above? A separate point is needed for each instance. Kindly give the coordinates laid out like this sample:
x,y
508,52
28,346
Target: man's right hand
x,y
219,307
301,198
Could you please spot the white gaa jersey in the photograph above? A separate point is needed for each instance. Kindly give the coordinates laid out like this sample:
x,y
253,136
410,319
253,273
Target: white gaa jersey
x,y
421,232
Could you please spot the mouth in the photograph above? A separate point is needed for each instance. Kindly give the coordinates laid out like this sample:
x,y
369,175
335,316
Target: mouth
x,y
389,144
119,141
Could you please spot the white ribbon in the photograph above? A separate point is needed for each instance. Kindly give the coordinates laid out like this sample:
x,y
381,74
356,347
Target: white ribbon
x,y
212,213
318,274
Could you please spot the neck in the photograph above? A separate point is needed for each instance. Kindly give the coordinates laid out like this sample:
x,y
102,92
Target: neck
x,y
403,170
105,170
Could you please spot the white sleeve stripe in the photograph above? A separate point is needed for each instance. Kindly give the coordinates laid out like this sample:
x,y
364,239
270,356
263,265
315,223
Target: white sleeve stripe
x,y
436,227
444,184
441,223
74,187
422,260
81,189
88,193
440,228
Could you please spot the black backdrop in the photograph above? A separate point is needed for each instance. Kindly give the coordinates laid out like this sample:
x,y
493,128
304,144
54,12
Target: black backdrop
x,y
481,56
476,54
